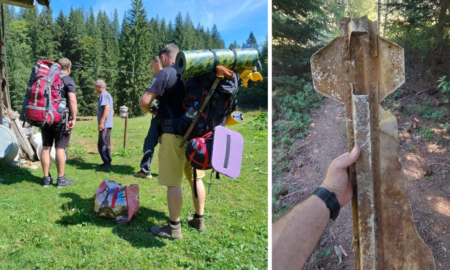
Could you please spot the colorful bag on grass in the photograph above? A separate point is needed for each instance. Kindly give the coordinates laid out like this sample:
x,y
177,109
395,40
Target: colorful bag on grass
x,y
113,201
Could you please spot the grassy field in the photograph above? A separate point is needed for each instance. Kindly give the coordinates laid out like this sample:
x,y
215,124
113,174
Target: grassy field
x,y
56,228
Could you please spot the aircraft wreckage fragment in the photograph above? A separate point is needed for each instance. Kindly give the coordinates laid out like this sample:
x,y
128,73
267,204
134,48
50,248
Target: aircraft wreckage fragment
x,y
359,69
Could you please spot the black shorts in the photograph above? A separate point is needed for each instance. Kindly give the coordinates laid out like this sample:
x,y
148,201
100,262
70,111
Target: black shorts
x,y
57,133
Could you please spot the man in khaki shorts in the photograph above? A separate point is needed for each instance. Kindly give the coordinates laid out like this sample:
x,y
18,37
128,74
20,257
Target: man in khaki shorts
x,y
169,90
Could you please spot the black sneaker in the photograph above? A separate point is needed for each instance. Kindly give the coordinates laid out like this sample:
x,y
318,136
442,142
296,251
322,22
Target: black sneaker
x,y
107,167
48,181
63,181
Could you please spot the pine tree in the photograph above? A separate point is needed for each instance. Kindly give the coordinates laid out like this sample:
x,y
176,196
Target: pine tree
x,y
251,42
209,43
45,45
296,26
76,31
233,45
115,27
31,18
135,57
109,53
189,32
164,34
155,32
216,39
180,37
170,33
60,30
18,51
200,37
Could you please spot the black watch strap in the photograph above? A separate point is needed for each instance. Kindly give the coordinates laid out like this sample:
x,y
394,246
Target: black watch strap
x,y
330,200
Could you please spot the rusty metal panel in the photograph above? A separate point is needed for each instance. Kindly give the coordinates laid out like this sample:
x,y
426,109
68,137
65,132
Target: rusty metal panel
x,y
359,69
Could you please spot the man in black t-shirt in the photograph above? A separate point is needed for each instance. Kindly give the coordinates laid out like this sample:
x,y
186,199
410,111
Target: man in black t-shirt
x,y
169,89
60,133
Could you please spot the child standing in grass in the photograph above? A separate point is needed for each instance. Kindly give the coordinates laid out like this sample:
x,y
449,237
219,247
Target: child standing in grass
x,y
105,123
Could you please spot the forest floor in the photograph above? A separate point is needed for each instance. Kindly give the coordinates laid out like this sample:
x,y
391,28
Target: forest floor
x,y
424,147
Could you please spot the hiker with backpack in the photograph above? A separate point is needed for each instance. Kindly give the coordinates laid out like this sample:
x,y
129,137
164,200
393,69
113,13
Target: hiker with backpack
x,y
170,91
105,123
151,140
59,133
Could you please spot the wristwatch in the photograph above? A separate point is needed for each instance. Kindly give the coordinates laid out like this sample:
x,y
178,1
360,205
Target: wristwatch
x,y
330,200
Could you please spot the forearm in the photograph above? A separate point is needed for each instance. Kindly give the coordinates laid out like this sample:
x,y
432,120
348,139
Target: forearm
x,y
146,108
146,100
296,234
105,114
73,107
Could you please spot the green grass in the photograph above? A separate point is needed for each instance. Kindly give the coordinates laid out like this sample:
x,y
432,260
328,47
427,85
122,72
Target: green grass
x,y
56,228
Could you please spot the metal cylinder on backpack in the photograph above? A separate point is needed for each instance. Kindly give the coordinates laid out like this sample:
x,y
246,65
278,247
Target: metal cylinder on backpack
x,y
197,62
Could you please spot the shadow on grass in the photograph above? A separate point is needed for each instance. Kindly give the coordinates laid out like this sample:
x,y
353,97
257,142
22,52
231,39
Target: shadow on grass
x,y
13,175
79,212
80,164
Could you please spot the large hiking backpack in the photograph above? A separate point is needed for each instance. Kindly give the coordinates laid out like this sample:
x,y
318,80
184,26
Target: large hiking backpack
x,y
44,94
199,151
219,107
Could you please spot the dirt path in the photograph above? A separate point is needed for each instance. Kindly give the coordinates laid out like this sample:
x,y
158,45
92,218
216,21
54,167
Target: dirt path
x,y
427,185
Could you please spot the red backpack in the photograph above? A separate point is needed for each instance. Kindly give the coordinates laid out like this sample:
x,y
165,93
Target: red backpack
x,y
44,94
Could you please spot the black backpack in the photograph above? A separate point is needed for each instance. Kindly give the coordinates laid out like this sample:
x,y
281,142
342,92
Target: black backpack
x,y
220,105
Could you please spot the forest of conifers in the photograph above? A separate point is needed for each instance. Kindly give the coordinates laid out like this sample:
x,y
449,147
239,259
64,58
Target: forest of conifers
x,y
102,48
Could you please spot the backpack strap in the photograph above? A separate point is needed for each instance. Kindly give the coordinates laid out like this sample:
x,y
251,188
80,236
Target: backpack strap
x,y
170,112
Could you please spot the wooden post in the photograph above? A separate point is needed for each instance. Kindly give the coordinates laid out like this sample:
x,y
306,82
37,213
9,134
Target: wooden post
x,y
125,135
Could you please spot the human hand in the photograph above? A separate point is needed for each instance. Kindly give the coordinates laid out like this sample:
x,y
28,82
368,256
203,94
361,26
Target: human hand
x,y
337,178
71,125
101,126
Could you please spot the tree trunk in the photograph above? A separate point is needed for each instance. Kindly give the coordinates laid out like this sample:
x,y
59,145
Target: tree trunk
x,y
438,45
379,15
386,18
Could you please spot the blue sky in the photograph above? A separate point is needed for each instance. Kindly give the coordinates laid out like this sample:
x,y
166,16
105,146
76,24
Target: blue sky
x,y
234,18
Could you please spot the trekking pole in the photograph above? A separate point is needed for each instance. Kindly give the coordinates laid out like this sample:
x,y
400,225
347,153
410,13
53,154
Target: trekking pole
x,y
199,113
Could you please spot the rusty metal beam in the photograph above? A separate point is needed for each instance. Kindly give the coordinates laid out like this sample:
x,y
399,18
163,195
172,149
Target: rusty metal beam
x,y
359,69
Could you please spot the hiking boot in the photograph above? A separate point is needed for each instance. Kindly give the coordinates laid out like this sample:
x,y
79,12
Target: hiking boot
x,y
48,181
107,167
196,223
141,174
63,181
169,231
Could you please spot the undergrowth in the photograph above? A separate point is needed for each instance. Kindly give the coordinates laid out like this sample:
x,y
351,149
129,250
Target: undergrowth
x,y
292,103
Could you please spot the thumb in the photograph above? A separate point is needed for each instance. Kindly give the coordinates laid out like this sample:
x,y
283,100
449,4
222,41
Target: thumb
x,y
347,159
